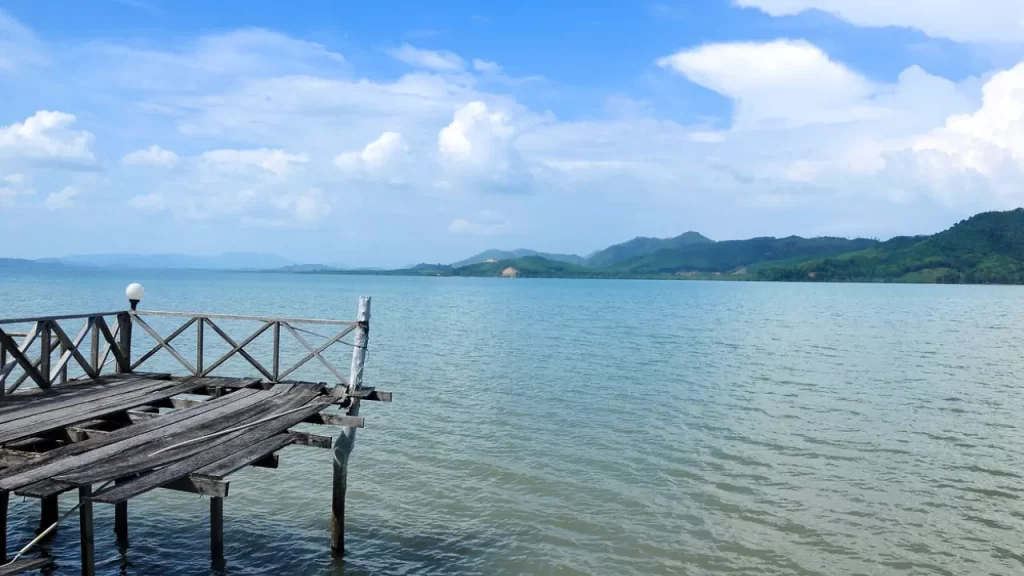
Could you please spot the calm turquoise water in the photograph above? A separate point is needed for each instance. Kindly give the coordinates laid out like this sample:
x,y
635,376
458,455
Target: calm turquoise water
x,y
607,427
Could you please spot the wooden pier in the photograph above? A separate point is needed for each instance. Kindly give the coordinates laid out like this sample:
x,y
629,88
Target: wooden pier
x,y
96,423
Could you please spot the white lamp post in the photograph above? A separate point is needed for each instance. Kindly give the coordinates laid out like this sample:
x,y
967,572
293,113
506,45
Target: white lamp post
x,y
134,292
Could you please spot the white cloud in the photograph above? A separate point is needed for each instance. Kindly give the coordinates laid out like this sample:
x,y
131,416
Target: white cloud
x,y
486,66
478,145
19,47
278,162
14,178
46,135
485,223
988,142
61,200
385,152
976,21
152,156
440,60
780,83
153,202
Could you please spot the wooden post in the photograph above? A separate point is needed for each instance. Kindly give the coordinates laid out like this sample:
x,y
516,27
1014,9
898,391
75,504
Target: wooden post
x,y
347,439
49,512
3,364
124,323
94,346
45,350
276,366
199,346
121,520
217,532
85,521
4,497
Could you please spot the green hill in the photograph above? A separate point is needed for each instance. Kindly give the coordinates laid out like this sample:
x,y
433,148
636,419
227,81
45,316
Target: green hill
x,y
638,247
734,255
985,249
531,267
513,254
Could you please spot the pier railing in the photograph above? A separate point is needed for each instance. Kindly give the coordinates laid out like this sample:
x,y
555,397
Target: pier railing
x,y
42,351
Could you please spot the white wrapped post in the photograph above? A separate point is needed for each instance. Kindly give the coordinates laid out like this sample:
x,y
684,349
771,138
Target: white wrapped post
x,y
347,439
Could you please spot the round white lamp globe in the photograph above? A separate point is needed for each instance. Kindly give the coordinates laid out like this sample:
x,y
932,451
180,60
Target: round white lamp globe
x,y
134,291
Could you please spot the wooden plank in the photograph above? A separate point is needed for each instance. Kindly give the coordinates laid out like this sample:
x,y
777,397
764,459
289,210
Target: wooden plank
x,y
144,457
90,409
9,458
22,565
245,457
18,401
310,439
296,438
237,317
117,442
207,455
30,412
52,318
202,486
332,418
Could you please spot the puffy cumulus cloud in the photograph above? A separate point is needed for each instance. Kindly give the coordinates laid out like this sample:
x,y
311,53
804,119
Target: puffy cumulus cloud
x,y
478,145
47,135
387,152
277,162
62,199
440,60
780,83
977,21
988,142
152,156
483,223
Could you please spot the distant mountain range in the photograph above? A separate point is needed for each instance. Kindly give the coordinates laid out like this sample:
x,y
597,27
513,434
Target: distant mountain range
x,y
985,249
226,261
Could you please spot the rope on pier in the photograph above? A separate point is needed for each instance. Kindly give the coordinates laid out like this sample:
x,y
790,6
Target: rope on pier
x,y
51,528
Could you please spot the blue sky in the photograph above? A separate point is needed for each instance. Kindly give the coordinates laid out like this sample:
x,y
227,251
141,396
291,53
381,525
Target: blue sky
x,y
395,132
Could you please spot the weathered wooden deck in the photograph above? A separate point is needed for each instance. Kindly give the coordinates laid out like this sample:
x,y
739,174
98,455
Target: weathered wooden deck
x,y
129,433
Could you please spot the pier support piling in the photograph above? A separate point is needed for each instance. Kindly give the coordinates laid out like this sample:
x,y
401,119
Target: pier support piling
x,y
85,521
121,522
4,498
48,513
347,439
217,532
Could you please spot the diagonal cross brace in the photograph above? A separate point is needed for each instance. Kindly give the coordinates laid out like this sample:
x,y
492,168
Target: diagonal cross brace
x,y
161,343
239,349
316,352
